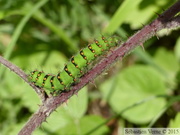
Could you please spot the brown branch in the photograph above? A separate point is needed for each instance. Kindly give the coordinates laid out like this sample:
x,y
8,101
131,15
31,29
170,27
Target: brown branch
x,y
166,20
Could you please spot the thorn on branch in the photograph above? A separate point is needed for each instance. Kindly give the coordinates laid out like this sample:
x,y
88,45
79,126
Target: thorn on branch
x,y
156,36
93,83
142,24
142,46
157,14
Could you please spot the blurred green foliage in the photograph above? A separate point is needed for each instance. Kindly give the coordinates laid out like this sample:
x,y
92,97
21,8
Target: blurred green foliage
x,y
141,91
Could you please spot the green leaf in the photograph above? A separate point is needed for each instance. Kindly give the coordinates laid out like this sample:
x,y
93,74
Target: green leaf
x,y
168,63
87,125
177,49
167,60
30,99
143,12
77,105
13,129
135,14
121,14
133,85
175,123
11,85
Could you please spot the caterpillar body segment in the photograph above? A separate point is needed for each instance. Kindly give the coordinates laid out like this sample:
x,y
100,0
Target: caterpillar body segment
x,y
78,65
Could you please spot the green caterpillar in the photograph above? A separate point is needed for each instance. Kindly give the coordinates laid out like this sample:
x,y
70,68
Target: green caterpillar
x,y
75,68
